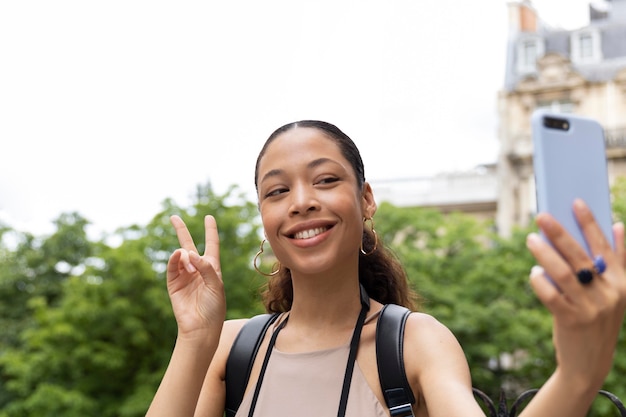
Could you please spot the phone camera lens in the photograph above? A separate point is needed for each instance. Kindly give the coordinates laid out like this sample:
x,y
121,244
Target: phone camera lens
x,y
556,123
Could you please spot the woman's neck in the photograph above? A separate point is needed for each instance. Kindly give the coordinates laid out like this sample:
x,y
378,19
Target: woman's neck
x,y
322,315
325,301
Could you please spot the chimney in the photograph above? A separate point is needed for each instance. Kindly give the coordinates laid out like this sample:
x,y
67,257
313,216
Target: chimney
x,y
522,16
598,11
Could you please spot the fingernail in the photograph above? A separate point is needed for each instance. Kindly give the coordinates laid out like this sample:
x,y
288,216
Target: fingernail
x,y
579,204
190,268
532,240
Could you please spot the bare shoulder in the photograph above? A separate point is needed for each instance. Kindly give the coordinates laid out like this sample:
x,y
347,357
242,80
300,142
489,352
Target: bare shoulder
x,y
231,330
428,343
229,333
437,368
423,330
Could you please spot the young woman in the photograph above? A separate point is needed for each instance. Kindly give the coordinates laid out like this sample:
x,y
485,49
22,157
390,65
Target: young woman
x,y
316,210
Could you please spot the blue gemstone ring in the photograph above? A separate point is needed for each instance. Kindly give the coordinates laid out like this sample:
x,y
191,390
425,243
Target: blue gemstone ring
x,y
599,266
586,275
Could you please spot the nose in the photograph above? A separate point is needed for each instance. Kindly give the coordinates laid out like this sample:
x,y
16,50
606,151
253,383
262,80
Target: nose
x,y
303,200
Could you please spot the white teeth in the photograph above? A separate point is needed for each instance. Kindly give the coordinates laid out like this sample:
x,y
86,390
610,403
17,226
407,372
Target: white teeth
x,y
306,234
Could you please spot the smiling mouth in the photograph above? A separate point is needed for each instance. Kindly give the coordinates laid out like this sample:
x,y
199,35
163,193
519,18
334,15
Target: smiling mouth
x,y
307,234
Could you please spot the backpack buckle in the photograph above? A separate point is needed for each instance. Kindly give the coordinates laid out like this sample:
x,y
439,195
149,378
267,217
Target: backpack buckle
x,y
398,402
403,410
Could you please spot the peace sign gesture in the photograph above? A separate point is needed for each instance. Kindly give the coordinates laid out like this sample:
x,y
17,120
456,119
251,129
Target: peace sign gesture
x,y
194,282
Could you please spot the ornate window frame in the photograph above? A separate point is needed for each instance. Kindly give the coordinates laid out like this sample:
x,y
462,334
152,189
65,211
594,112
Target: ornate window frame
x,y
529,50
586,46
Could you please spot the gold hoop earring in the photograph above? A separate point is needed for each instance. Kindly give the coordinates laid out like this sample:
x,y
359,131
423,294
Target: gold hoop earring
x,y
256,257
375,238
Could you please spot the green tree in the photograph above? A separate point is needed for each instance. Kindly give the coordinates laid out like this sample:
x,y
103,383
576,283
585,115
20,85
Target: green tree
x,y
13,311
32,266
101,345
35,267
476,284
46,263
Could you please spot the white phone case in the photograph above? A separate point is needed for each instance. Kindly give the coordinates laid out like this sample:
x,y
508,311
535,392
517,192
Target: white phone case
x,y
570,162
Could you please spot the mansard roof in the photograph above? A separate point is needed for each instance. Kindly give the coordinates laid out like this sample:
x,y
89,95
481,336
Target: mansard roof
x,y
612,32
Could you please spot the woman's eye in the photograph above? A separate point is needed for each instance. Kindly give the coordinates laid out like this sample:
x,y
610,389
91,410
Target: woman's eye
x,y
276,192
328,180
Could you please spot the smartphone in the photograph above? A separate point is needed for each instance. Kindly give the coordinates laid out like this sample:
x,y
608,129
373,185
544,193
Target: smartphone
x,y
569,159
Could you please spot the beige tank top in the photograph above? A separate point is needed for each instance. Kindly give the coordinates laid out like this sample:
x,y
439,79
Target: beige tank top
x,y
309,385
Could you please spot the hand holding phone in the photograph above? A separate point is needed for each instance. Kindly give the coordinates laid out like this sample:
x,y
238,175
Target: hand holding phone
x,y
585,292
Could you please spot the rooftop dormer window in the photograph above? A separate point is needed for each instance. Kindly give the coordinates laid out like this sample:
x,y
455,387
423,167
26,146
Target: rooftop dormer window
x,y
529,49
586,46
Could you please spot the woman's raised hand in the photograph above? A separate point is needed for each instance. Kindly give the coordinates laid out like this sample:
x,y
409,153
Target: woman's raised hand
x,y
194,282
587,317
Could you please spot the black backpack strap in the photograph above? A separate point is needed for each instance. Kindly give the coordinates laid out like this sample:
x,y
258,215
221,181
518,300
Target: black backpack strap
x,y
390,359
241,358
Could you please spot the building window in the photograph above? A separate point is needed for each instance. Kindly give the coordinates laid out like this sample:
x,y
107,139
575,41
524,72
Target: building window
x,y
528,51
556,106
586,46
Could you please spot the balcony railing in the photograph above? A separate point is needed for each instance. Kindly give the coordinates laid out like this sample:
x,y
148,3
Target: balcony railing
x,y
615,138
502,408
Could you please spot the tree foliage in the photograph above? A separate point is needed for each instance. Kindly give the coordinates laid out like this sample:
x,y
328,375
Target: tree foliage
x,y
476,284
95,329
88,328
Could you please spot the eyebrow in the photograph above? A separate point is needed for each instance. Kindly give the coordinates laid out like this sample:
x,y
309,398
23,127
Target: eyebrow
x,y
313,164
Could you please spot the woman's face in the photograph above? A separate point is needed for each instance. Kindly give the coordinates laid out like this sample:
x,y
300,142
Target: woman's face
x,y
311,208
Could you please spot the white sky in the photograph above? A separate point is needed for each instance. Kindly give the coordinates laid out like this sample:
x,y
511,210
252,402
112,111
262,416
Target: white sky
x,y
109,107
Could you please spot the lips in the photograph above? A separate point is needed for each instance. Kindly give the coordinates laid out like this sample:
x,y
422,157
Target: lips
x,y
309,233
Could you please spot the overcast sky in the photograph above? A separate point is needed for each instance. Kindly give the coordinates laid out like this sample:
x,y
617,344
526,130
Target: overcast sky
x,y
109,107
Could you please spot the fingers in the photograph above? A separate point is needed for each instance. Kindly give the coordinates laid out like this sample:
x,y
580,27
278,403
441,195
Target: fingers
x,y
547,291
574,254
562,256
212,239
620,252
184,237
598,243
188,255
179,260
562,277
618,238
208,269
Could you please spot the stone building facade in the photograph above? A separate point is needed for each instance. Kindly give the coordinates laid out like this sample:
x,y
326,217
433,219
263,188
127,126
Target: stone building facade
x,y
580,71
